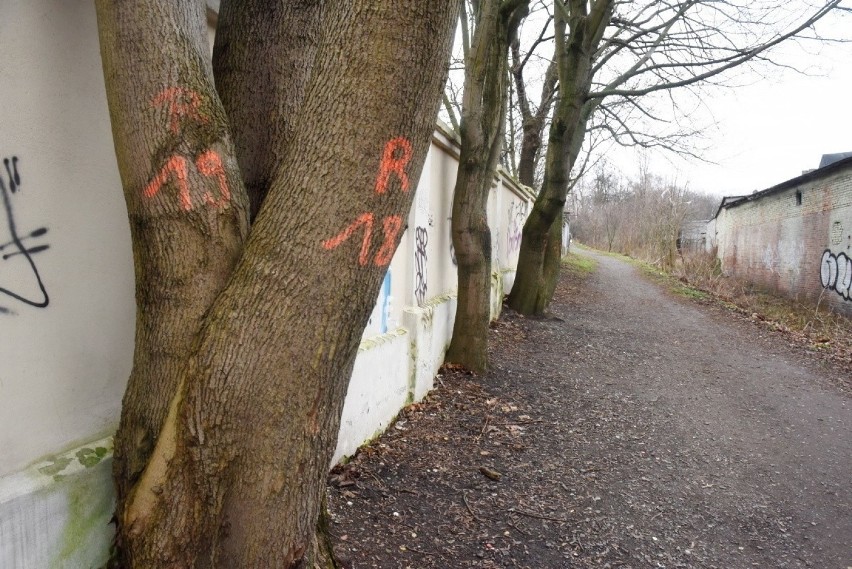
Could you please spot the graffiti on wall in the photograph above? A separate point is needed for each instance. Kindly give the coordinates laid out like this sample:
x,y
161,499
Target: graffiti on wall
x,y
515,226
452,247
395,158
421,239
836,273
19,276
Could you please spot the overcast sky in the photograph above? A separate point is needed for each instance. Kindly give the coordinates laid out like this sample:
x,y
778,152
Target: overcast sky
x,y
773,129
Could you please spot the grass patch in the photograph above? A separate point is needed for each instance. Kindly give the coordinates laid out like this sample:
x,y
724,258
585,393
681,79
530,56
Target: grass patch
x,y
579,265
674,284
689,292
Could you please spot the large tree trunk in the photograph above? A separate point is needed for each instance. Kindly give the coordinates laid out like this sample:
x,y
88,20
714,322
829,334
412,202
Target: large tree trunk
x,y
184,247
552,257
481,130
237,475
534,285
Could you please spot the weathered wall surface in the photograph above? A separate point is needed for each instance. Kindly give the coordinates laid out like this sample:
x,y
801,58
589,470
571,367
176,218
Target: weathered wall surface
x,y
66,291
797,241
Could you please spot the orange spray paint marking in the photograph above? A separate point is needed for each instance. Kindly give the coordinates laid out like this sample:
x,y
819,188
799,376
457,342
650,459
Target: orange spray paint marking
x,y
394,164
365,219
209,164
182,103
391,226
176,165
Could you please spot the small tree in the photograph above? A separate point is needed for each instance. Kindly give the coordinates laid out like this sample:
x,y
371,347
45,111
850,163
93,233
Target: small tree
x,y
483,110
244,198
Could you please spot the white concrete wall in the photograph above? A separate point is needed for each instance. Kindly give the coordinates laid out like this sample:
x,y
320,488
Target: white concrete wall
x,y
64,365
66,351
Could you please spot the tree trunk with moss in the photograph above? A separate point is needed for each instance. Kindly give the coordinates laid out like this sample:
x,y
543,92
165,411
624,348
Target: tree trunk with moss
x,y
244,343
578,32
481,131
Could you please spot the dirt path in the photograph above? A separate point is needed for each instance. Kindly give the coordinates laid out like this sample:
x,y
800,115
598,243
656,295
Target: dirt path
x,y
632,430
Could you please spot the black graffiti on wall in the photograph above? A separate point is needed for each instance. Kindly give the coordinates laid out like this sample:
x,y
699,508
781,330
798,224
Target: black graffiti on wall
x,y
836,273
452,247
16,249
421,238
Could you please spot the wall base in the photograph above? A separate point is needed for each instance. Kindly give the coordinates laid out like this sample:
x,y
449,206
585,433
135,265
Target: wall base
x,y
56,514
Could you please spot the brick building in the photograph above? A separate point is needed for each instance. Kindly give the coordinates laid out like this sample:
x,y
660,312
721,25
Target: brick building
x,y
794,238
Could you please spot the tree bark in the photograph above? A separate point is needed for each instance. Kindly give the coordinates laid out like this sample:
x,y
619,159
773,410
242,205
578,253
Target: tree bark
x,y
577,39
237,475
552,257
171,171
481,131
262,60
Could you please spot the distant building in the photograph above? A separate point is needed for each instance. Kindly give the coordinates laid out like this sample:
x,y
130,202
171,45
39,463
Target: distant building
x,y
693,236
794,238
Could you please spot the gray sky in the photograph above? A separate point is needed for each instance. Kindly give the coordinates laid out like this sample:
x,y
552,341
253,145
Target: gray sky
x,y
771,130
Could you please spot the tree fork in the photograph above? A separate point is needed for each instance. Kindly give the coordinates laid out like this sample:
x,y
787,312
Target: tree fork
x,y
272,44
241,480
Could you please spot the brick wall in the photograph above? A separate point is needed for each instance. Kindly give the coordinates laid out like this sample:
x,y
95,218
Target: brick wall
x,y
795,238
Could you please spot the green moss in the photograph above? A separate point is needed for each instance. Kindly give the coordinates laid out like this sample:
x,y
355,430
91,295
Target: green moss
x,y
89,508
440,299
89,457
412,372
56,466
381,339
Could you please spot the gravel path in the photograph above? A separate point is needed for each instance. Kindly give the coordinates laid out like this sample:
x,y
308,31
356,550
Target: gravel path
x,y
632,429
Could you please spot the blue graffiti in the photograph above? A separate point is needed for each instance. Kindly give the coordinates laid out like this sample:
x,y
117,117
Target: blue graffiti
x,y
384,297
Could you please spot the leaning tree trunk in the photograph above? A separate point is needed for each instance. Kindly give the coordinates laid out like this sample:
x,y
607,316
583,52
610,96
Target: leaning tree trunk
x,y
533,127
533,288
481,130
552,257
237,475
183,192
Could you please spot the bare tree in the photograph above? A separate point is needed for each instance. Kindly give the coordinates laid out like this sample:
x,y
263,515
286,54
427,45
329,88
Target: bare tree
x,y
244,344
481,131
611,57
642,218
